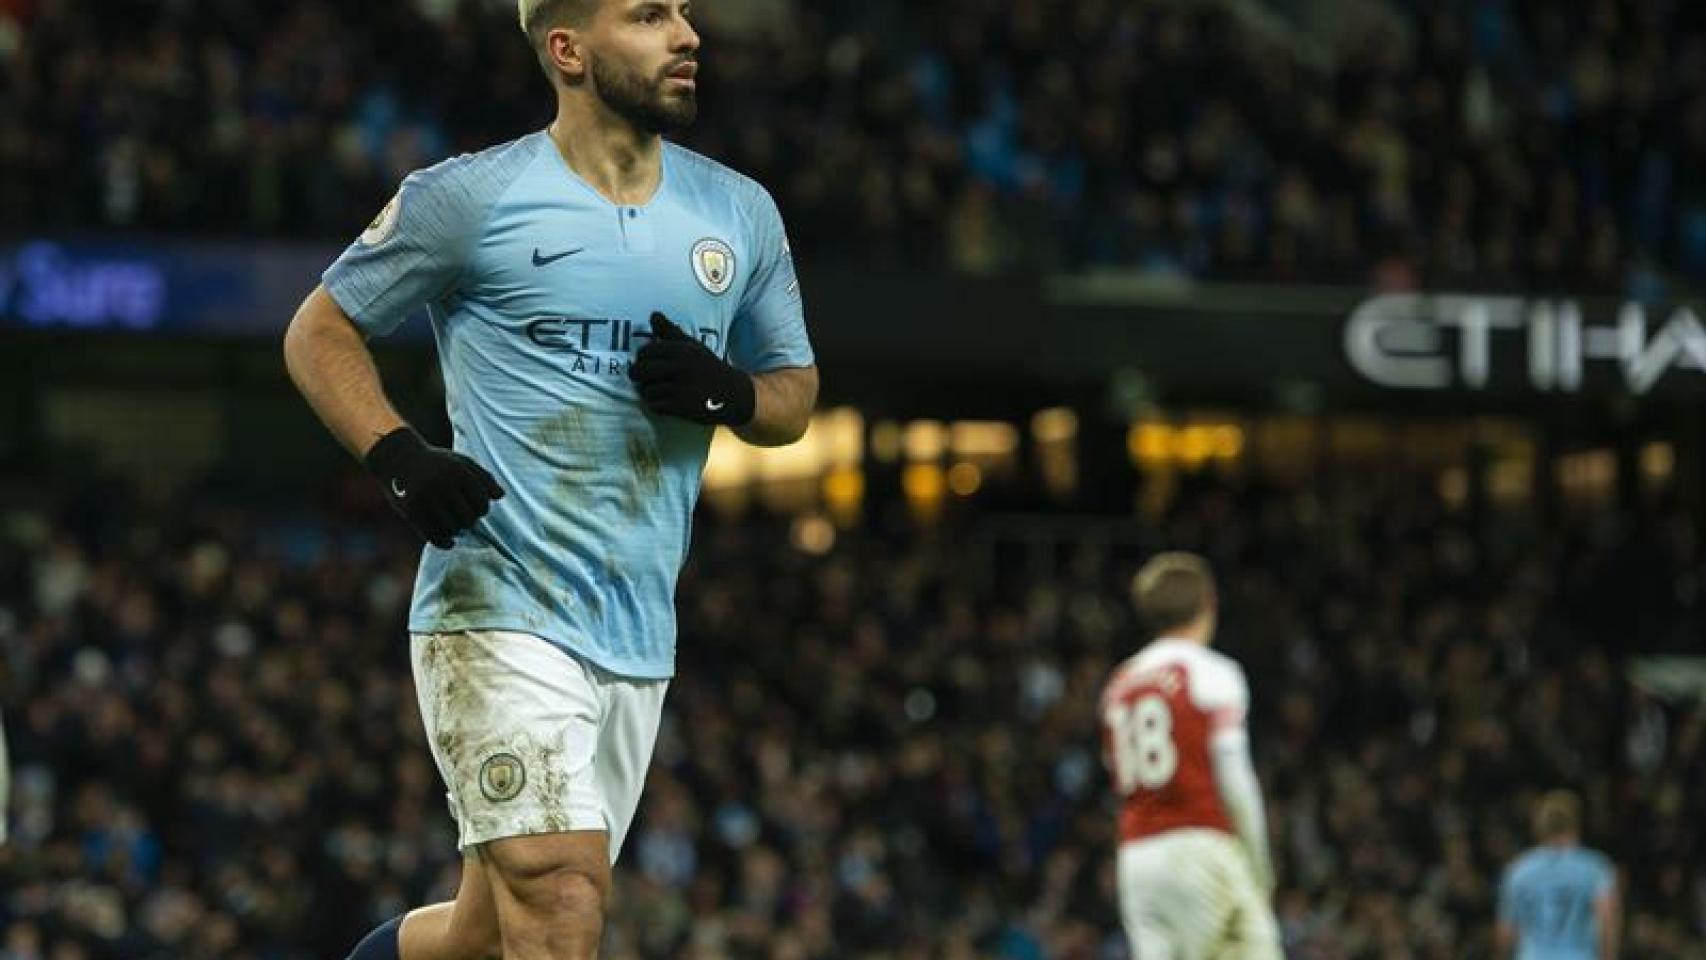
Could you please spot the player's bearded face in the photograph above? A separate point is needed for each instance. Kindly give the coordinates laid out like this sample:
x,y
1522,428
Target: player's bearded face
x,y
648,101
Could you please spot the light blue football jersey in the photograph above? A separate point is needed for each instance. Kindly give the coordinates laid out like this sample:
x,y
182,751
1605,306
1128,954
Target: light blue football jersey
x,y
540,292
1548,895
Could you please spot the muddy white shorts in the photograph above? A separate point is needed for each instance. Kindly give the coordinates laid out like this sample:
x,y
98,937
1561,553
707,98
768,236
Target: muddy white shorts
x,y
530,739
1192,895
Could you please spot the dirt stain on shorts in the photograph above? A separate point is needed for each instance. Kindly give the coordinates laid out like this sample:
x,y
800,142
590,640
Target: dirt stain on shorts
x,y
551,787
468,730
450,660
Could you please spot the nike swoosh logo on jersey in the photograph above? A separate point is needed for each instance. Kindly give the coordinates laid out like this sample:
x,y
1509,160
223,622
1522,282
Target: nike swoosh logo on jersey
x,y
397,489
713,406
540,261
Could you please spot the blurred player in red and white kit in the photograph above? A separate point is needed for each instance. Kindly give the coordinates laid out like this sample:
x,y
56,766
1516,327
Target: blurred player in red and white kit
x,y
1195,875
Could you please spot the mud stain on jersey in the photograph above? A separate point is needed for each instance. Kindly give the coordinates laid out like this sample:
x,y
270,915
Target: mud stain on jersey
x,y
563,432
647,465
565,443
468,587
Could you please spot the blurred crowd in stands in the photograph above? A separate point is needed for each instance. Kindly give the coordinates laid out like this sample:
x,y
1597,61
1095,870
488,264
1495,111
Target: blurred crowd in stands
x,y
1487,143
883,746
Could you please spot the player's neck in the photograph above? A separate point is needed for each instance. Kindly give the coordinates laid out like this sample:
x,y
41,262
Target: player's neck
x,y
1198,633
1194,639
620,162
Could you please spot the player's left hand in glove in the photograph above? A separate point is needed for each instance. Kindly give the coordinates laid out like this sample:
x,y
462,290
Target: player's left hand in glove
x,y
680,377
439,492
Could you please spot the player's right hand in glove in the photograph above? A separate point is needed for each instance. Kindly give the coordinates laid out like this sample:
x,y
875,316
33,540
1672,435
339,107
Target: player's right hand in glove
x,y
439,492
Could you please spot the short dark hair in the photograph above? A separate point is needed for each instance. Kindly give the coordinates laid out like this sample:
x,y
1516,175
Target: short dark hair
x,y
1172,590
1558,814
539,17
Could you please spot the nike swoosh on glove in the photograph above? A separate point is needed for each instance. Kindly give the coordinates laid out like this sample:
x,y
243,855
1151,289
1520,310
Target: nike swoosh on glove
x,y
440,492
677,376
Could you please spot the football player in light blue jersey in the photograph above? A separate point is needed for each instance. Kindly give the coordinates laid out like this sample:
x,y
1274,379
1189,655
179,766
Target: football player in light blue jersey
x,y
602,301
1558,901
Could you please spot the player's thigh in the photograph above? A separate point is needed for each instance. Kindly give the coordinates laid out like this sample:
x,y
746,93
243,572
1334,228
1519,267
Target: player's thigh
x,y
1181,896
1153,900
514,727
1252,931
1247,929
633,711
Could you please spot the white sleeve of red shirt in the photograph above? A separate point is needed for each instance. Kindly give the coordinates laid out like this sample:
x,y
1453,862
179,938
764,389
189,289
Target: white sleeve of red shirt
x,y
1219,690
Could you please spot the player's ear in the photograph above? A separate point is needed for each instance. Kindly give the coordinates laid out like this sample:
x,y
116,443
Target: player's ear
x,y
566,50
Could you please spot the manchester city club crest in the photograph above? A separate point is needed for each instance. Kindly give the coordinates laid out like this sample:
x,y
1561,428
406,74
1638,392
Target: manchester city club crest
x,y
714,265
502,776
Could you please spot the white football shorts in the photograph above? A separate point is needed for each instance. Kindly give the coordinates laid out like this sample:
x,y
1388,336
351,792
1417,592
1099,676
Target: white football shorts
x,y
1191,894
530,739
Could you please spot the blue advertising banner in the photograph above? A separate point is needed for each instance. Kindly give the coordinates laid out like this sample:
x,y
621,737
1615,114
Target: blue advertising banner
x,y
105,286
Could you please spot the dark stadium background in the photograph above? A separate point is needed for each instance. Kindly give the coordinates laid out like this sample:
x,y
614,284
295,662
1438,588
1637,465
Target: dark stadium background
x,y
1087,280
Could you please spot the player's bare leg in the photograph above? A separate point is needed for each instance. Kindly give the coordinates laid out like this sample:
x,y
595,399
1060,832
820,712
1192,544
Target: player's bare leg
x,y
550,891
463,929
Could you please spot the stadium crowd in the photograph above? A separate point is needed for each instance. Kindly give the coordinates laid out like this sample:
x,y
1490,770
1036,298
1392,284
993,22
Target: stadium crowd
x,y
882,748
1491,143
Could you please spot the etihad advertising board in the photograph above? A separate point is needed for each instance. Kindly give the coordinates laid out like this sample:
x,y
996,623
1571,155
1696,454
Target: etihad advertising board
x,y
1460,341
1207,339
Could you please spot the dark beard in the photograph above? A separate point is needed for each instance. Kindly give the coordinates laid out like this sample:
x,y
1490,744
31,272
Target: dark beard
x,y
641,103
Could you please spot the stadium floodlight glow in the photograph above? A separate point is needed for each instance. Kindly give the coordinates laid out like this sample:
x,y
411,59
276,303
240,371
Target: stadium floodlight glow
x,y
1401,340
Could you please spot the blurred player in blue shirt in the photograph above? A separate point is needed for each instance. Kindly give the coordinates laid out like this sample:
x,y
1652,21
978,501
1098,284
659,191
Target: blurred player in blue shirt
x,y
602,301
1558,901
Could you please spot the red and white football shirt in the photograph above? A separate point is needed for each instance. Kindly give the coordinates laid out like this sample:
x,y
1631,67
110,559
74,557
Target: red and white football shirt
x,y
1160,711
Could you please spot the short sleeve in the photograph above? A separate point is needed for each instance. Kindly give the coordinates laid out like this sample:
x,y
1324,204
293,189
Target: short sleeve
x,y
769,329
1219,690
1605,878
1507,897
411,254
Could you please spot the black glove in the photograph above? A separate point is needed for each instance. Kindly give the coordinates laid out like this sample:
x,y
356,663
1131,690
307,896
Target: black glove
x,y
441,493
680,377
